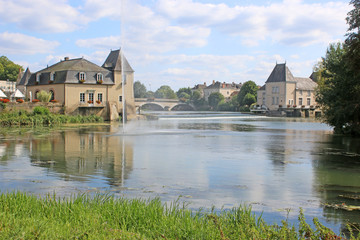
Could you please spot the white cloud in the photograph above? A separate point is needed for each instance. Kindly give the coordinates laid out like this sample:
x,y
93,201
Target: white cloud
x,y
17,43
41,15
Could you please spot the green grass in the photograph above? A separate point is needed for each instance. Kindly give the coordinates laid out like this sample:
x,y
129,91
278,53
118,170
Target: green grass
x,y
24,216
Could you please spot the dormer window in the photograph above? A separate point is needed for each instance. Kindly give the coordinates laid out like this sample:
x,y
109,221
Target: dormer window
x,y
52,76
82,76
99,77
38,78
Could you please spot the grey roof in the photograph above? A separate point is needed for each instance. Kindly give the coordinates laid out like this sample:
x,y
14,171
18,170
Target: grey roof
x,y
25,78
262,88
305,84
280,73
67,71
114,61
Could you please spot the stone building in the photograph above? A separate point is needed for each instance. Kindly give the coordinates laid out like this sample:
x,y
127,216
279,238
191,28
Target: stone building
x,y
226,89
84,87
284,91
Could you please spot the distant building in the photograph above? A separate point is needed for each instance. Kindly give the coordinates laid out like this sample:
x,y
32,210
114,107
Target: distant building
x,y
84,87
283,90
7,87
200,88
226,89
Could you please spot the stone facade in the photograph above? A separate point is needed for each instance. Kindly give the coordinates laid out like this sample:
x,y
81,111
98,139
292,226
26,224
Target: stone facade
x,y
83,87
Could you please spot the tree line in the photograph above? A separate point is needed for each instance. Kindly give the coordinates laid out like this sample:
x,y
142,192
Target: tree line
x,y
338,77
216,101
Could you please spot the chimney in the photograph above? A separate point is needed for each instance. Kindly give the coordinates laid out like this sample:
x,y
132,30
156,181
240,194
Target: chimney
x,y
223,85
66,58
213,81
205,84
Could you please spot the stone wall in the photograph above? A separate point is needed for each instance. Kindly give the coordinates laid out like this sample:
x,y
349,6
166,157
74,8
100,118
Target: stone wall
x,y
29,106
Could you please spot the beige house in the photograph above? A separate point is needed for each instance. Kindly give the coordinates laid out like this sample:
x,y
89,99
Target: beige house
x,y
226,89
84,87
284,91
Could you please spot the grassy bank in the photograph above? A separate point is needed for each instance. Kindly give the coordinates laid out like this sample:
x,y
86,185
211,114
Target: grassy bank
x,y
24,216
41,116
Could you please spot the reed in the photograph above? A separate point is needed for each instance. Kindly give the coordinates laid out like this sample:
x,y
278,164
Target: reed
x,y
24,216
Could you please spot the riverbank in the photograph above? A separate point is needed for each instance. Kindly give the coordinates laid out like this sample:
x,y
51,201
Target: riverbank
x,y
41,116
26,216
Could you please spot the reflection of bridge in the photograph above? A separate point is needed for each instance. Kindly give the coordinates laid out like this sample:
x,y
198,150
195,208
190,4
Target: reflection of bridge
x,y
163,104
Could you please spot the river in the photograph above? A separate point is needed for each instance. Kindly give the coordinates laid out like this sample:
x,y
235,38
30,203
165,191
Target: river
x,y
221,160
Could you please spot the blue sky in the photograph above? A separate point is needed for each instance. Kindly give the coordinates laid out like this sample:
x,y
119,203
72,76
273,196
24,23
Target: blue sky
x,y
178,43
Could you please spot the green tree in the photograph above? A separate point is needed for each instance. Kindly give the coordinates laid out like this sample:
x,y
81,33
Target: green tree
x,y
44,96
165,92
139,90
183,90
214,99
150,94
338,91
8,69
352,41
183,96
196,95
248,87
249,99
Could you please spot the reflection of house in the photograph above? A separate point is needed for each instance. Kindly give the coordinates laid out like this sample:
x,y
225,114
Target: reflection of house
x,y
283,90
81,154
84,87
226,89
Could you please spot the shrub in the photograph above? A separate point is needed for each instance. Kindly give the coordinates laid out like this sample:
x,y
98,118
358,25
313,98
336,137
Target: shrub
x,y
5,100
98,102
20,100
35,100
44,96
41,111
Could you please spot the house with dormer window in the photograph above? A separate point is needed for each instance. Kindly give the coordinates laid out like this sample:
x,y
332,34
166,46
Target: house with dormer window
x,y
84,87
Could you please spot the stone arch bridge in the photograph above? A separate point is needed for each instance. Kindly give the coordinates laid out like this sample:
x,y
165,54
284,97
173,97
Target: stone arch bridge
x,y
163,104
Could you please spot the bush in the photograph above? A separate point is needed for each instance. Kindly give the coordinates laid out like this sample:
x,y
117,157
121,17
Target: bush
x,y
44,96
41,111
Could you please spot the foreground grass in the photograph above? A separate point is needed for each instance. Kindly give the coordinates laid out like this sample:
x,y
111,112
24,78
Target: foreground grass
x,y
24,216
41,116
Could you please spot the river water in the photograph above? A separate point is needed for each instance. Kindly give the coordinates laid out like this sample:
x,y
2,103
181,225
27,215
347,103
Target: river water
x,y
276,165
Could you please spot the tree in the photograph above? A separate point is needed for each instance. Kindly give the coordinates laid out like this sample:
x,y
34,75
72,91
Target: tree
x,y
183,90
165,92
248,87
8,69
214,99
183,96
139,90
338,91
249,99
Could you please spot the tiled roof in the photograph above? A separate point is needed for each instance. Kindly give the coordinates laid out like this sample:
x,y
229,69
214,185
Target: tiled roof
x,y
305,84
280,73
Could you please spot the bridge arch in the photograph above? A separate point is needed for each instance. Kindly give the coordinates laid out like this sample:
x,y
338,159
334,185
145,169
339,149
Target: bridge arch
x,y
152,106
183,107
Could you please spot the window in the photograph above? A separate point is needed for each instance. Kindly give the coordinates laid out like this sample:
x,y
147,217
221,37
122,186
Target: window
x,y
36,94
300,92
38,77
52,76
99,77
273,100
308,92
91,97
100,97
82,97
300,101
263,101
277,100
82,76
120,98
291,102
275,89
308,101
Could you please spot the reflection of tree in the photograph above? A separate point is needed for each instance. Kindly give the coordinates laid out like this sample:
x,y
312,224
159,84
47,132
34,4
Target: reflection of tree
x,y
82,154
337,173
